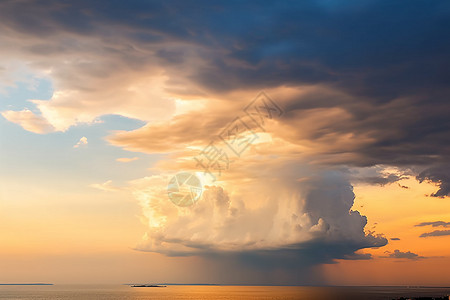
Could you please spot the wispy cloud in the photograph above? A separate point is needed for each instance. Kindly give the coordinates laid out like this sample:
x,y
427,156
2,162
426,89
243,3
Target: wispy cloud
x,y
29,121
435,233
434,224
127,159
106,186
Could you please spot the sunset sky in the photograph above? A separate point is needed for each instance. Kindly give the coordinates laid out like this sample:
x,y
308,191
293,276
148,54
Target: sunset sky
x,y
343,175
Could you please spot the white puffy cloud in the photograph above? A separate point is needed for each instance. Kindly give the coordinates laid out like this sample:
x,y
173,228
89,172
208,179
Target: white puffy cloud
x,y
82,142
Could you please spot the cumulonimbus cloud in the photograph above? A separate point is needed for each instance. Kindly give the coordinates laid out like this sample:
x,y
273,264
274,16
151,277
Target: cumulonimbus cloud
x,y
271,215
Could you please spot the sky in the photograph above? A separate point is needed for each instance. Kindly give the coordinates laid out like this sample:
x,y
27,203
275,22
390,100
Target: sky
x,y
319,132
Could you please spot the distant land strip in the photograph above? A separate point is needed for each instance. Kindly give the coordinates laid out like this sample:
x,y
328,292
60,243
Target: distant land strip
x,y
26,283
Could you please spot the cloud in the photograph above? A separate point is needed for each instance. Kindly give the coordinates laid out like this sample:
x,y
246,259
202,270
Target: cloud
x,y
29,121
403,186
435,233
382,180
359,256
82,142
358,105
403,255
272,221
378,175
394,239
91,76
439,175
106,186
160,137
127,159
434,224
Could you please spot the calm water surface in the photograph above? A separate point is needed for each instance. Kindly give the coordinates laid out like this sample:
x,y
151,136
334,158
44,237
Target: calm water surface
x,y
111,292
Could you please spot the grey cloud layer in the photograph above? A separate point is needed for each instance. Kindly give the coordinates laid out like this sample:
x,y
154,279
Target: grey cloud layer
x,y
388,60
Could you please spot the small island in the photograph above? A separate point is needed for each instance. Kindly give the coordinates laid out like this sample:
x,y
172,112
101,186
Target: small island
x,y
147,285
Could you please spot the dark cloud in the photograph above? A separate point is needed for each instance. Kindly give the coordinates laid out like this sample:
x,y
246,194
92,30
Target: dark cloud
x,y
395,239
403,186
359,256
403,255
306,254
378,175
435,233
390,61
439,175
434,224
382,180
297,262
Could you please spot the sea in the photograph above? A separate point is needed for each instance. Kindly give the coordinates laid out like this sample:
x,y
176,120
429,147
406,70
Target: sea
x,y
214,292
